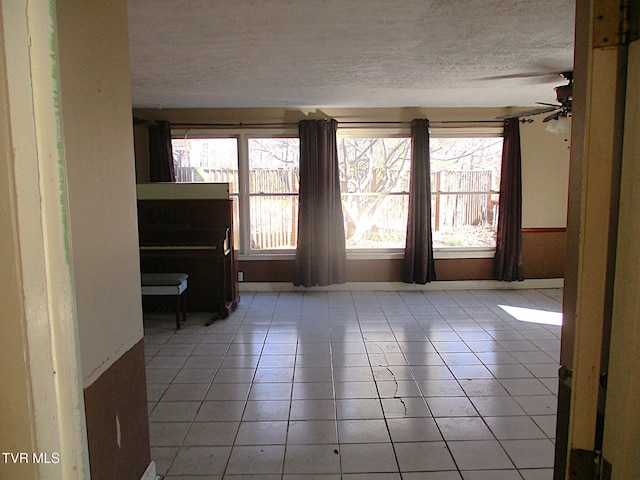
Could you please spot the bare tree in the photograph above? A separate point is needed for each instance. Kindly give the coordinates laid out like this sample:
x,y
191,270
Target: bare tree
x,y
370,170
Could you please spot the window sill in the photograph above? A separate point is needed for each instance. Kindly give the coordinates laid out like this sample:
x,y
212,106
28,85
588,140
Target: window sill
x,y
438,253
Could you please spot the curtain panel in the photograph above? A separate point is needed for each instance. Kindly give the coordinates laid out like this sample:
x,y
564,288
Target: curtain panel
x,y
161,167
508,260
419,266
321,252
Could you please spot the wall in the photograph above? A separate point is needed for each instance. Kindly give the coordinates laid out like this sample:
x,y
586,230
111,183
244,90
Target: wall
x,y
545,176
545,180
98,143
16,419
42,414
598,231
545,166
622,423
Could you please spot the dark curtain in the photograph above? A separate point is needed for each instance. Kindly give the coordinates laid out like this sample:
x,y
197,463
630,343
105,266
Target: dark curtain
x,y
160,153
418,264
509,234
321,253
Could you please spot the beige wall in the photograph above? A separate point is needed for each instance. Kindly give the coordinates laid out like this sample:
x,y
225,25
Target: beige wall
x,y
16,420
622,423
42,350
99,150
98,141
545,176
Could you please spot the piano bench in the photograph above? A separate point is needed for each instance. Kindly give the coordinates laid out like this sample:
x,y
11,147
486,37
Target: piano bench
x,y
168,284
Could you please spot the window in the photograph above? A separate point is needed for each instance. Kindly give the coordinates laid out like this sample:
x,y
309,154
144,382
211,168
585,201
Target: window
x,y
274,181
374,179
465,182
209,160
262,171
262,168
465,179
206,160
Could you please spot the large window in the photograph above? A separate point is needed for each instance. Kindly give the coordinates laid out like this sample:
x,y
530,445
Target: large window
x,y
374,179
273,192
262,168
465,179
262,171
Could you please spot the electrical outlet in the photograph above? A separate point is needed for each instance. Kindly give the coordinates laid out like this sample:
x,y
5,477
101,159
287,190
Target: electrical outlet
x,y
241,276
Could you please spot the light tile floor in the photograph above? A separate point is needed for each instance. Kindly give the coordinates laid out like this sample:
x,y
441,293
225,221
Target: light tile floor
x,y
436,385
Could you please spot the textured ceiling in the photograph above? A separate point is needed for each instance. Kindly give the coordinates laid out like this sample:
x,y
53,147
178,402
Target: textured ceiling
x,y
348,53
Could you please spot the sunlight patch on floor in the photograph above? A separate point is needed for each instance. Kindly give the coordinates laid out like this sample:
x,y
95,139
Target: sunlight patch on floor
x,y
532,315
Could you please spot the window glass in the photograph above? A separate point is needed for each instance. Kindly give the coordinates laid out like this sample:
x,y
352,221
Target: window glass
x,y
274,181
374,180
465,182
206,160
209,160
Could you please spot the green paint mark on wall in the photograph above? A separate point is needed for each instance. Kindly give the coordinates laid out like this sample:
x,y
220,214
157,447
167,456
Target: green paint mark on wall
x,y
53,52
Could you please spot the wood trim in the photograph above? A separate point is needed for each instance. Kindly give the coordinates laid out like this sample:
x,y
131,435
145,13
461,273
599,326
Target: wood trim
x,y
406,287
543,257
545,230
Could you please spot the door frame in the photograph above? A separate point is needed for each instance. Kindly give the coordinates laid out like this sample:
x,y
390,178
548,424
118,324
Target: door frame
x,y
592,230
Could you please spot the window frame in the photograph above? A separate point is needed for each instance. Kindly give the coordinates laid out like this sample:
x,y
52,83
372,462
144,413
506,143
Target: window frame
x,y
242,197
262,251
367,132
466,132
242,136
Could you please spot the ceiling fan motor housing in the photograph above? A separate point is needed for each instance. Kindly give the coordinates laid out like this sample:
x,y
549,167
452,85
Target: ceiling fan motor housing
x,y
564,94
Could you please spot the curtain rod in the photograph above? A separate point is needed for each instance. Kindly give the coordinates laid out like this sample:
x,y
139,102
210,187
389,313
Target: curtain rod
x,y
295,124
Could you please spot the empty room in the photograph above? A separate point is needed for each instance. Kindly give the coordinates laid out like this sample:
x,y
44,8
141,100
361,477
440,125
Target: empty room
x,y
319,240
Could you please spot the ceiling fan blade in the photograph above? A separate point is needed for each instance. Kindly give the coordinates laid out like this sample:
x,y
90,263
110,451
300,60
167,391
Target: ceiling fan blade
x,y
537,77
527,113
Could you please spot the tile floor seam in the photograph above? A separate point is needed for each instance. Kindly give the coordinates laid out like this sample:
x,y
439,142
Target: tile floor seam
x,y
446,443
246,403
386,420
335,408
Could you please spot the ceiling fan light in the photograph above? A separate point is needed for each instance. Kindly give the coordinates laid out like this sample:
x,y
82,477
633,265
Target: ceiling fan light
x,y
560,124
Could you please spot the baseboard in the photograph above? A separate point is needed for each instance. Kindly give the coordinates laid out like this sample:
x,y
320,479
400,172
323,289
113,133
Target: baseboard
x,y
150,473
533,283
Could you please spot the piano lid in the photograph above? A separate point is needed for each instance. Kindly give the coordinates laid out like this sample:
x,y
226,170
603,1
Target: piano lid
x,y
182,191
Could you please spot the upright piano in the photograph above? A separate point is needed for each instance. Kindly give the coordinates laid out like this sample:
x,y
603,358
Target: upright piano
x,y
189,228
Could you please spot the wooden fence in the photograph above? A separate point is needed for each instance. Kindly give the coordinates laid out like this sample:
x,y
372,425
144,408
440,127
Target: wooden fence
x,y
274,202
451,208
